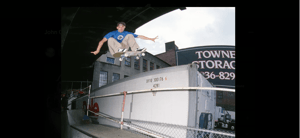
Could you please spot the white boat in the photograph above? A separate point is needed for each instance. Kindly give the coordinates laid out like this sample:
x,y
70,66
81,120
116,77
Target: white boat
x,y
179,95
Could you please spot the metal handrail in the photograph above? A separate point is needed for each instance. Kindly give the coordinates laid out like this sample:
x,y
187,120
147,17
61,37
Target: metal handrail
x,y
167,89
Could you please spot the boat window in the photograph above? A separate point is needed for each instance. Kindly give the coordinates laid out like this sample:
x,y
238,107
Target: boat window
x,y
128,61
115,77
110,60
137,64
151,66
103,78
145,67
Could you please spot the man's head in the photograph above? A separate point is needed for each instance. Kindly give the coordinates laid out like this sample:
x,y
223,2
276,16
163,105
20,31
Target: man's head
x,y
121,26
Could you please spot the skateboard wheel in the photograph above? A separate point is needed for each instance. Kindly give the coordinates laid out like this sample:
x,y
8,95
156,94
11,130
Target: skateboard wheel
x,y
143,54
120,59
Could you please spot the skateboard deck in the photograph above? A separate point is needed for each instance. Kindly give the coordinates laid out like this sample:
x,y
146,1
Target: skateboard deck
x,y
122,55
118,54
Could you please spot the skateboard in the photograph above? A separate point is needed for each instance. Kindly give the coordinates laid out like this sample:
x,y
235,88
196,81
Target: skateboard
x,y
122,55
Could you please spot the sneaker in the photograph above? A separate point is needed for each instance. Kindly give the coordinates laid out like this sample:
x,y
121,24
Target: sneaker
x,y
122,50
143,49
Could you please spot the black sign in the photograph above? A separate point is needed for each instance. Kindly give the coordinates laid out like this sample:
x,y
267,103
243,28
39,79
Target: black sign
x,y
216,63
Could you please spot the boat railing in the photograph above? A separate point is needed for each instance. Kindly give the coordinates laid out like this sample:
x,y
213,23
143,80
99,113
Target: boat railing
x,y
154,90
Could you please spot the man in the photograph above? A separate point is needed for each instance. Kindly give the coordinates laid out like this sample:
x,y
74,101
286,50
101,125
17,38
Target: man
x,y
64,102
120,40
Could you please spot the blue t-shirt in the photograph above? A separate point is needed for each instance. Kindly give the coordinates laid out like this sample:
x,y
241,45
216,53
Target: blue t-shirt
x,y
119,36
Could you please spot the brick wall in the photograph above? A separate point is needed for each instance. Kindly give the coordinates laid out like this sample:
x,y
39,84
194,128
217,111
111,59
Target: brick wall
x,y
227,102
168,57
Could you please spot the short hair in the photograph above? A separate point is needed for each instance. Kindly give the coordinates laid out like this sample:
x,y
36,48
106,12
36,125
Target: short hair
x,y
121,23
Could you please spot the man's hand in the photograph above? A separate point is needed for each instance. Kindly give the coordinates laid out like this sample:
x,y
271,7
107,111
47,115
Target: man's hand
x,y
153,39
99,46
146,38
95,52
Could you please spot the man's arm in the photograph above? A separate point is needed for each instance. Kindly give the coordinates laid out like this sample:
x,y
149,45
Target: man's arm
x,y
101,43
99,46
146,38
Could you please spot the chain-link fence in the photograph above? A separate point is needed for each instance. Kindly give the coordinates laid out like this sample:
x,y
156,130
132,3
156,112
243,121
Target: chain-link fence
x,y
176,131
156,129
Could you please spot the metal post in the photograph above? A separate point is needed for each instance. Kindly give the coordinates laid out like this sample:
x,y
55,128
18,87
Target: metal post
x,y
72,87
123,109
88,101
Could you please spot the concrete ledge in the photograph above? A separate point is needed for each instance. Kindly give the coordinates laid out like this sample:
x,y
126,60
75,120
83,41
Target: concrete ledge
x,y
84,132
